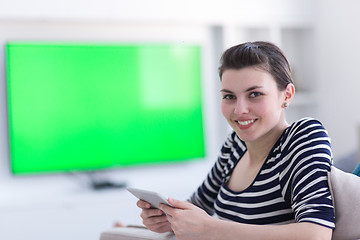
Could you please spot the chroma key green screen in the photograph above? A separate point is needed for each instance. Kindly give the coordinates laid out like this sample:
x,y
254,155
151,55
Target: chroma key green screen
x,y
92,106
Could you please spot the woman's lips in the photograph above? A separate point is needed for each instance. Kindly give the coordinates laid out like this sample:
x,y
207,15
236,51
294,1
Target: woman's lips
x,y
245,124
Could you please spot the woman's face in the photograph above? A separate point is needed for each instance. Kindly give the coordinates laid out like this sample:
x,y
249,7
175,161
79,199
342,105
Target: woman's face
x,y
252,103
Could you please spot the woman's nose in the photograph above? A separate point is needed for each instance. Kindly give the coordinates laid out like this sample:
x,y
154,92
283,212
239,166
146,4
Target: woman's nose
x,y
241,107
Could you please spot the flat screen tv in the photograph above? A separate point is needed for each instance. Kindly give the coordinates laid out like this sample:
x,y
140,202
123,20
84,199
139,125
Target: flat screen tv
x,y
95,106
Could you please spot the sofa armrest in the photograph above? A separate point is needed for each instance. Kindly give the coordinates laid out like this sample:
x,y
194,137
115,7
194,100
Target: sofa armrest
x,y
345,191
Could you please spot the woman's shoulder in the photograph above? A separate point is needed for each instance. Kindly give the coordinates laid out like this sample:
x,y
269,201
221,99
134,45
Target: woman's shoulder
x,y
305,126
305,133
306,147
305,136
306,121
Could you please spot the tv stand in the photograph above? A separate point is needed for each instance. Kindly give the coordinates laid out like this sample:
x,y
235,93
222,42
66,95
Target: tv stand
x,y
98,182
101,185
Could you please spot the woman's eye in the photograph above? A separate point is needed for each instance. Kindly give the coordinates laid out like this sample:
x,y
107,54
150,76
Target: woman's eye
x,y
255,94
228,97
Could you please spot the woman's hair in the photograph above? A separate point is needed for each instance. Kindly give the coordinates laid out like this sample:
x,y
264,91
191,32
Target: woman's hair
x,y
264,55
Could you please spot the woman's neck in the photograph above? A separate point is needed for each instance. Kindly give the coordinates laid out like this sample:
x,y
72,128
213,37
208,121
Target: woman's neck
x,y
259,149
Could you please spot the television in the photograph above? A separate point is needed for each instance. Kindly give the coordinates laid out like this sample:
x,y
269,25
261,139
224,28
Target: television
x,y
85,106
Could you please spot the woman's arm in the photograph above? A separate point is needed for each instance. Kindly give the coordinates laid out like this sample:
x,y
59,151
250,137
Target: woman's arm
x,y
192,223
294,231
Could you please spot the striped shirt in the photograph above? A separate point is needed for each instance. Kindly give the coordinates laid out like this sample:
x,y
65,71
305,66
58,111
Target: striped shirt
x,y
290,187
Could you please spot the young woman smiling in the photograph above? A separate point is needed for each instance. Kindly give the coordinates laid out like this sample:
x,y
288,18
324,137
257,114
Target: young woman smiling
x,y
270,180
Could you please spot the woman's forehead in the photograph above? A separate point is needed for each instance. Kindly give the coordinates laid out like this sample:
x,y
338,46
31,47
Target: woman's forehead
x,y
247,78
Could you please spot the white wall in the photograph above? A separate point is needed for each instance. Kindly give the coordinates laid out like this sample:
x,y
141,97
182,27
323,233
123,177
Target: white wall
x,y
159,10
338,49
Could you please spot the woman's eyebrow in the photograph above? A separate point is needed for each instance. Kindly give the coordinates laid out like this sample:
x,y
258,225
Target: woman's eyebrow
x,y
247,90
225,90
253,88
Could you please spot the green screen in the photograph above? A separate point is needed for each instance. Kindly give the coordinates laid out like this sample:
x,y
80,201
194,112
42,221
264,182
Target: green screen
x,y
75,106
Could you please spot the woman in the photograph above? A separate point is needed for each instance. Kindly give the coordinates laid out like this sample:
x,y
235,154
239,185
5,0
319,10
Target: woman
x,y
270,179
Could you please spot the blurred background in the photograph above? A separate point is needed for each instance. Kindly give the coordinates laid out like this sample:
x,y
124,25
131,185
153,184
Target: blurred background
x,y
319,37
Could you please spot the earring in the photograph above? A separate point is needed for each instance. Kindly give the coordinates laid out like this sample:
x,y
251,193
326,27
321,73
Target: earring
x,y
286,104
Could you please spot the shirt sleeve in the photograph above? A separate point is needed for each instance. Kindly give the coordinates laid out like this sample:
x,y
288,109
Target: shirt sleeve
x,y
305,178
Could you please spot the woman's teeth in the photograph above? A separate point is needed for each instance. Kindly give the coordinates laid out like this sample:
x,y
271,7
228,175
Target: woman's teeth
x,y
243,123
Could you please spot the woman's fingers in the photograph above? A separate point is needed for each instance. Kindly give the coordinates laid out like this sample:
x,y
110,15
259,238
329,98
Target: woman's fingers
x,y
160,227
157,223
147,213
118,224
143,204
180,204
153,218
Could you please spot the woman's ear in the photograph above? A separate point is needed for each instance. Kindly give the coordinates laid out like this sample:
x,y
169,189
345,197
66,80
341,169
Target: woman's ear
x,y
289,93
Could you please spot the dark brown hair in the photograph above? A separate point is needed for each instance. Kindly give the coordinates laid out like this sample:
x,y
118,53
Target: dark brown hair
x,y
264,55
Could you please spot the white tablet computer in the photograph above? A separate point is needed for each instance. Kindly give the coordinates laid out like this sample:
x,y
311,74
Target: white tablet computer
x,y
151,197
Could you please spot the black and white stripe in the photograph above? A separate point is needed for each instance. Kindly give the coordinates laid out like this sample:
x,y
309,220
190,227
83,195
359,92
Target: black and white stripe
x,y
290,187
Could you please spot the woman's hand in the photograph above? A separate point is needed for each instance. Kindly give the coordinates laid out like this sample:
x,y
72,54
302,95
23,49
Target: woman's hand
x,y
154,219
187,221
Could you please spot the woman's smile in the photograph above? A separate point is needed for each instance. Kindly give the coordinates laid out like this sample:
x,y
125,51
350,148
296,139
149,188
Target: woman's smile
x,y
245,124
